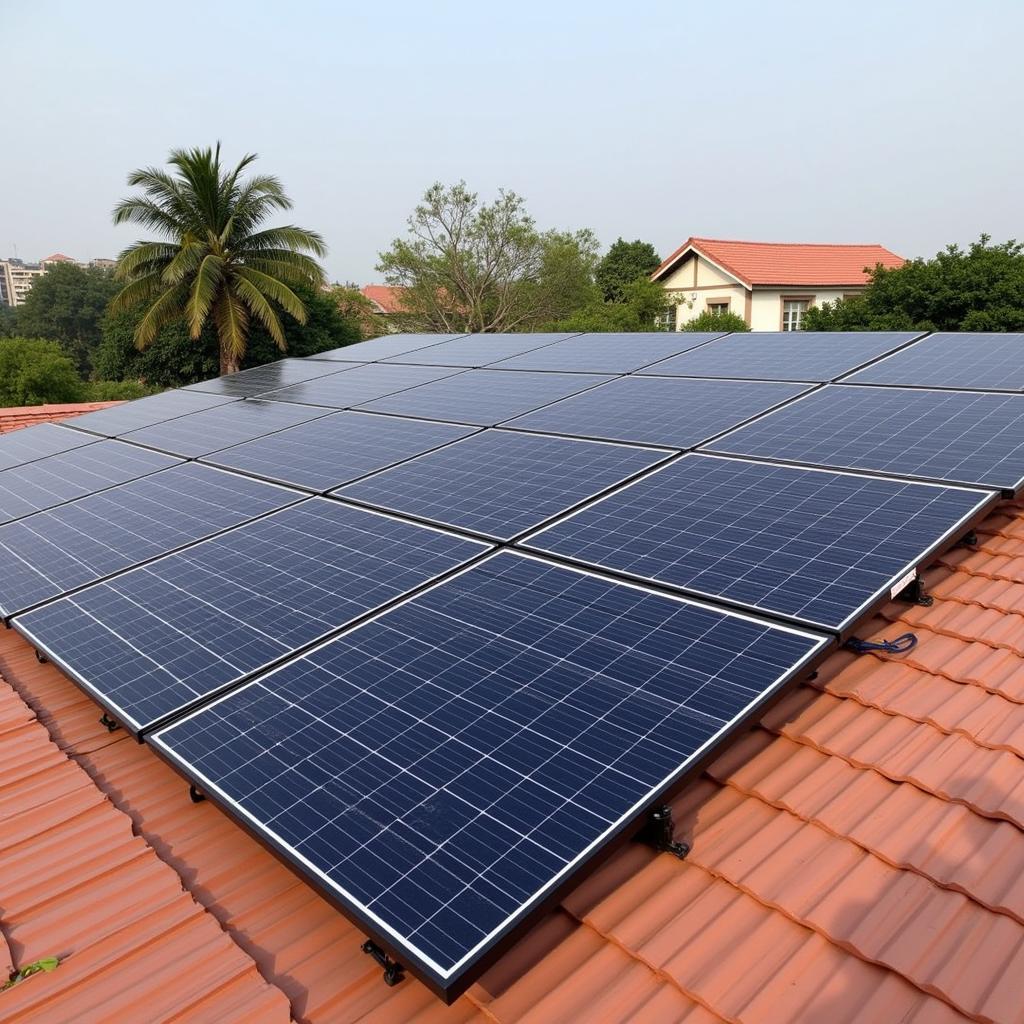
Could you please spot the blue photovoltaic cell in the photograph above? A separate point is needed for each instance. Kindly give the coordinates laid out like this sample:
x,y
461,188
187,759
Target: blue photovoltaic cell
x,y
144,412
784,355
268,377
477,349
810,544
607,353
360,384
213,429
382,348
46,555
669,411
155,639
499,483
443,766
39,442
955,436
963,360
331,451
72,474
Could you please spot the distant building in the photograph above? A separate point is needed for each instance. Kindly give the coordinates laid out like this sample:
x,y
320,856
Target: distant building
x,y
16,280
17,276
770,285
386,302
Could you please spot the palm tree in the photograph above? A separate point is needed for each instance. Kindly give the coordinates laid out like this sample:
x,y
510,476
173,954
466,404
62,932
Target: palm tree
x,y
214,259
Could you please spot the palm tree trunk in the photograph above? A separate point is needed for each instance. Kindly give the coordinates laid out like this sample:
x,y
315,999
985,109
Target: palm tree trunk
x,y
228,362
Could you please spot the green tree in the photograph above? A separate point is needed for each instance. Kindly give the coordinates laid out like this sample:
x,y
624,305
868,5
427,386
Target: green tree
x,y
638,308
8,321
624,263
977,289
708,321
215,261
173,358
486,267
67,304
36,370
356,309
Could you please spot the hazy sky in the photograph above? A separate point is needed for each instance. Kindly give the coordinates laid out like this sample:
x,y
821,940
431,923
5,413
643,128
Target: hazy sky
x,y
895,122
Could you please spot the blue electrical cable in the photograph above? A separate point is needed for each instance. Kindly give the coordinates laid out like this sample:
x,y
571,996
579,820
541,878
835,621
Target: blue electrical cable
x,y
903,643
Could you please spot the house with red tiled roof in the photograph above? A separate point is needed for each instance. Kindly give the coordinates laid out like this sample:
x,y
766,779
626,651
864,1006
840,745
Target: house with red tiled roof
x,y
769,284
16,417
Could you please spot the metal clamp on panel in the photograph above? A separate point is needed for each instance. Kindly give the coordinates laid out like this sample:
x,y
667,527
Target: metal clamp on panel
x,y
394,972
659,833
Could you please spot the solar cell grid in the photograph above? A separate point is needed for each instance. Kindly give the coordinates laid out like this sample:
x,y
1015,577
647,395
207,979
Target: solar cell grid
x,y
443,766
606,353
484,397
382,348
475,350
360,384
72,474
955,436
144,412
48,554
213,429
498,483
784,355
268,377
330,451
155,639
953,360
19,447
812,545
669,411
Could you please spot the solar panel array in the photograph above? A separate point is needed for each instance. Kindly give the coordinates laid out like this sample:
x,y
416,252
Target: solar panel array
x,y
442,617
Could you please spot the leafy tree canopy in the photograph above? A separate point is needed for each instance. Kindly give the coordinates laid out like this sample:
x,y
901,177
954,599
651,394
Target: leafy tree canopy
x,y
624,263
977,289
358,310
67,304
640,303
216,262
8,321
709,321
468,266
173,358
37,370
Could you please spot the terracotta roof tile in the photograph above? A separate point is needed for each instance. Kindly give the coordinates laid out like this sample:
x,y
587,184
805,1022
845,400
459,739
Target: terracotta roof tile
x,y
386,298
858,857
788,263
28,415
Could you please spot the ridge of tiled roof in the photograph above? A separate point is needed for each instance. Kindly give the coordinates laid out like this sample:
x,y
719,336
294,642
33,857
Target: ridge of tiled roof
x,y
789,263
28,415
857,856
387,298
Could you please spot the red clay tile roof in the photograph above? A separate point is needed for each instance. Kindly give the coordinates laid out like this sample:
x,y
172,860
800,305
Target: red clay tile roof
x,y
29,415
58,257
384,297
858,856
788,263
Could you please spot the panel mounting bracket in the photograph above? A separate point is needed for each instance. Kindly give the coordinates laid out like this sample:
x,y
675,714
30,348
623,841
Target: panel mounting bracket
x,y
40,657
914,593
111,724
659,832
394,972
195,795
969,539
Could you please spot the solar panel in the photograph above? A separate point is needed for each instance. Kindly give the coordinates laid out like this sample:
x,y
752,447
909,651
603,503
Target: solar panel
x,y
498,483
204,432
784,355
670,411
153,641
963,360
361,384
331,451
144,412
381,348
484,397
441,770
72,474
606,353
815,546
19,447
268,377
477,350
51,553
952,436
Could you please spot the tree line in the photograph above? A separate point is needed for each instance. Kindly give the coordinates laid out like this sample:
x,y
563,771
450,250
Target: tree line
x,y
219,290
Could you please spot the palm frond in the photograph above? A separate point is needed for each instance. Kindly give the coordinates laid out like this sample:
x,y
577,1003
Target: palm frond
x,y
143,258
185,261
274,289
261,309
167,308
232,324
138,290
288,236
204,290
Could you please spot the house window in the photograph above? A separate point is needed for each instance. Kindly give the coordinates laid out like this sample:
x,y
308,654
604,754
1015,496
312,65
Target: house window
x,y
718,306
793,313
666,319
